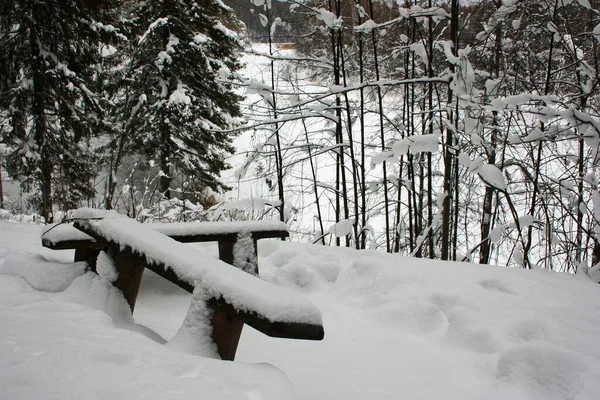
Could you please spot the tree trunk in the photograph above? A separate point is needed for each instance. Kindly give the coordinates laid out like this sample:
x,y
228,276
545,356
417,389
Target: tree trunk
x,y
164,181
313,170
278,153
448,155
39,126
1,189
388,242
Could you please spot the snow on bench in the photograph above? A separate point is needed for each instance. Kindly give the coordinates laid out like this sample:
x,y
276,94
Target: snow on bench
x,y
67,237
235,296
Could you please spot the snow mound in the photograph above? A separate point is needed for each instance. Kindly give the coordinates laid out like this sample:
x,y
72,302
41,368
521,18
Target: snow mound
x,y
542,371
423,328
429,328
40,273
84,343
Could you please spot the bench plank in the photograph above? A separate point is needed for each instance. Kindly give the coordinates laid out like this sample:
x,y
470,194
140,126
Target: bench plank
x,y
187,232
66,236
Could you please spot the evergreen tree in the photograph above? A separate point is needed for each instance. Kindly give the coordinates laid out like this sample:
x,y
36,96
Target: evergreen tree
x,y
179,97
48,51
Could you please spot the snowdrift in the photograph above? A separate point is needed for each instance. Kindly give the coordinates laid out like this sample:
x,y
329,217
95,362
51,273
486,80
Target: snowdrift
x,y
396,328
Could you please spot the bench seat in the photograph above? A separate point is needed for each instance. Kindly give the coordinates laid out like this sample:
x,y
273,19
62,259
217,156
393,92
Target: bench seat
x,y
66,236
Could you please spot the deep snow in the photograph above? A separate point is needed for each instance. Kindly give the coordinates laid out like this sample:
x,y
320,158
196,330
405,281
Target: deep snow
x,y
395,327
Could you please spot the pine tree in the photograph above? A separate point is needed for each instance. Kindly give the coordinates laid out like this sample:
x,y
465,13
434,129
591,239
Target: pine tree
x,y
47,54
179,95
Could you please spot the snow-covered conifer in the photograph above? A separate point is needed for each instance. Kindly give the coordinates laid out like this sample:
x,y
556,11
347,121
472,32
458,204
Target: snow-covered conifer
x,y
48,51
185,52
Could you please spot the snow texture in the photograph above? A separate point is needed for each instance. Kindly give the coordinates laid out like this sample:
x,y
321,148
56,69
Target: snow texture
x,y
342,228
226,31
105,267
57,278
412,144
423,328
329,18
366,26
61,232
194,335
58,347
179,95
244,256
492,176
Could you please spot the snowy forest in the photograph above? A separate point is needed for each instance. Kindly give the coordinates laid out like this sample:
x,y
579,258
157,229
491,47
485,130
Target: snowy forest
x,y
462,130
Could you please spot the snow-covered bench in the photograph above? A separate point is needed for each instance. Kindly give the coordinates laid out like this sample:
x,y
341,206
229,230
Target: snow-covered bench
x,y
233,293
67,237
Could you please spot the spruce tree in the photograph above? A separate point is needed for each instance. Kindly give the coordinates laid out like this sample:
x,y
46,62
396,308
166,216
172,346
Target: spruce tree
x,y
179,96
48,50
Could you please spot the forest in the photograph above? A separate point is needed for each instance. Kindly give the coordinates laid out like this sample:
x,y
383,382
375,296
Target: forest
x,y
459,130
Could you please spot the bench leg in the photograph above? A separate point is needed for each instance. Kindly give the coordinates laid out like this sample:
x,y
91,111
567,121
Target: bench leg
x,y
130,276
226,254
227,329
226,334
88,255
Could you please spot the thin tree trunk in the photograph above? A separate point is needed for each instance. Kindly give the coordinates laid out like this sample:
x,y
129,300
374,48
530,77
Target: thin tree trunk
x,y
538,159
352,155
580,172
398,207
388,243
417,195
39,123
164,180
363,194
338,126
278,153
486,221
448,155
315,186
456,209
342,154
430,132
1,189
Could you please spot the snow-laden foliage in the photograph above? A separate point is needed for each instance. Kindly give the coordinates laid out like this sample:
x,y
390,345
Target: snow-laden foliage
x,y
50,106
181,103
491,106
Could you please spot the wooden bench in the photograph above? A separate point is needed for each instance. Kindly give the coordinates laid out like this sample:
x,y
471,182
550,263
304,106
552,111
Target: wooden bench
x,y
67,237
235,297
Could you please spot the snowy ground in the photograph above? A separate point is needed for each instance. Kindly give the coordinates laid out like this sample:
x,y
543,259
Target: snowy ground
x,y
394,328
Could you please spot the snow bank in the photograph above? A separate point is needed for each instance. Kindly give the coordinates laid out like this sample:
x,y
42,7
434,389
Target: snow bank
x,y
66,345
431,329
40,273
395,325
